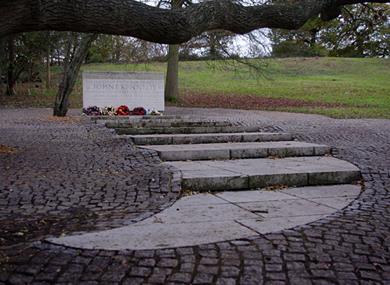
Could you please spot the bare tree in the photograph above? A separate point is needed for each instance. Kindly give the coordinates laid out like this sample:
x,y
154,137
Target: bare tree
x,y
48,62
76,52
2,61
11,74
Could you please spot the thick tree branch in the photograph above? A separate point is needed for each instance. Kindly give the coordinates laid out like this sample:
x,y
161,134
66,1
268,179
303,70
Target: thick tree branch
x,y
131,18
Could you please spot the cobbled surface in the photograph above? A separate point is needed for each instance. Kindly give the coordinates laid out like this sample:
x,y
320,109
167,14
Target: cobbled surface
x,y
350,247
70,175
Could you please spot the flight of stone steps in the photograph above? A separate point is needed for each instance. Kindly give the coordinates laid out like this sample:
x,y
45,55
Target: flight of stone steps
x,y
220,156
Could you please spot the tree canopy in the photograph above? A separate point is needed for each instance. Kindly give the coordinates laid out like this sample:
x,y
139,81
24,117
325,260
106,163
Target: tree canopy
x,y
360,31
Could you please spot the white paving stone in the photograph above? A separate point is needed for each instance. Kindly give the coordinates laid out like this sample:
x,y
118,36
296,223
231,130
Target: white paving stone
x,y
254,173
256,195
237,150
324,191
269,166
159,139
157,235
202,213
334,202
208,218
287,208
200,199
277,224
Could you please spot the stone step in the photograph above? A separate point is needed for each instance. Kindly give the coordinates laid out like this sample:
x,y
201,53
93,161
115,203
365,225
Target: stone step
x,y
185,130
166,124
138,118
225,151
265,172
134,119
161,139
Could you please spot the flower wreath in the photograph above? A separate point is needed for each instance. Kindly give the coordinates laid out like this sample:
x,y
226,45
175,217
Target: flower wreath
x,y
123,111
108,111
92,111
139,111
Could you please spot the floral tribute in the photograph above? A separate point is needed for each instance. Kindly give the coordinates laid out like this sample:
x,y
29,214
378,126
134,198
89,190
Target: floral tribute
x,y
92,111
123,111
139,111
108,111
120,111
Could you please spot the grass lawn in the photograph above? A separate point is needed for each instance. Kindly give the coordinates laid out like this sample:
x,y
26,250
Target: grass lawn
x,y
337,87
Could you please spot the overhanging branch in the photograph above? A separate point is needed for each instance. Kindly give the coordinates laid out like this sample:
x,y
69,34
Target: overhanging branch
x,y
131,18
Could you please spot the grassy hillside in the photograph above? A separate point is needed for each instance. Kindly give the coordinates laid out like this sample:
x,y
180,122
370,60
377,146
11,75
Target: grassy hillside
x,y
338,87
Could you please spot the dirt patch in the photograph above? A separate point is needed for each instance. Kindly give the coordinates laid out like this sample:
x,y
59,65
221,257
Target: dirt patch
x,y
249,102
7,150
67,119
18,228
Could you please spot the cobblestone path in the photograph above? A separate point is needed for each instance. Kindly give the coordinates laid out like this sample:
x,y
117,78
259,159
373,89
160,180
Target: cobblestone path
x,y
71,175
66,176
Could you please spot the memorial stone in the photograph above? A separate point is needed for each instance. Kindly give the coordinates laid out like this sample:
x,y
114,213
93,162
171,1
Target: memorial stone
x,y
104,89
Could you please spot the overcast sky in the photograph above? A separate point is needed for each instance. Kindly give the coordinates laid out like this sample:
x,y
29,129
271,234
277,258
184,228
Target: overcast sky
x,y
241,44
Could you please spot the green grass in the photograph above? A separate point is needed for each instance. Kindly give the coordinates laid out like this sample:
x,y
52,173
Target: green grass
x,y
356,87
362,86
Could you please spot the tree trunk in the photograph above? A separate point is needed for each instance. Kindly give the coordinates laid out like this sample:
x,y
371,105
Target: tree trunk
x,y
71,70
48,71
11,82
2,61
172,78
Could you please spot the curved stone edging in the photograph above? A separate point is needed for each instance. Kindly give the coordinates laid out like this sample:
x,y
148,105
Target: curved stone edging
x,y
210,218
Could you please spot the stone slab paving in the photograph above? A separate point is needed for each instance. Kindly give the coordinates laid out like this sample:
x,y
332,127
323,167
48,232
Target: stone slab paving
x,y
226,151
257,173
349,247
158,139
208,218
186,130
158,123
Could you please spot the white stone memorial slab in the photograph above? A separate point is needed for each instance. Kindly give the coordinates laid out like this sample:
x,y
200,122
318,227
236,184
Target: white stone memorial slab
x,y
104,89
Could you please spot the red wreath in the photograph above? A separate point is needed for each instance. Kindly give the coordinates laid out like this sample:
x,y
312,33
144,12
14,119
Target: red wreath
x,y
123,111
139,111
